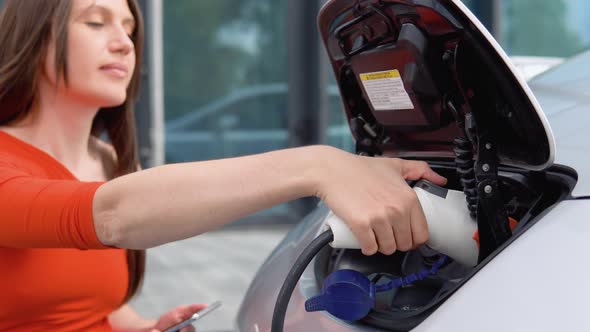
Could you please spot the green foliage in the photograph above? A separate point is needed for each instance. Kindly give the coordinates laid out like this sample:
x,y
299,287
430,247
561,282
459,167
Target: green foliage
x,y
539,27
215,46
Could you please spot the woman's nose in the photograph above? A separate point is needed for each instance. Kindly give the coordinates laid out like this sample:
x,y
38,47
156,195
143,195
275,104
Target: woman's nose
x,y
121,43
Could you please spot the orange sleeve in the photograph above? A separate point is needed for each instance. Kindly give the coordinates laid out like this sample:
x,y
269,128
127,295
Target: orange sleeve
x,y
41,213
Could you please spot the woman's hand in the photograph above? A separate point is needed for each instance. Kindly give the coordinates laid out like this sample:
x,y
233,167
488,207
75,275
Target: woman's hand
x,y
371,195
176,316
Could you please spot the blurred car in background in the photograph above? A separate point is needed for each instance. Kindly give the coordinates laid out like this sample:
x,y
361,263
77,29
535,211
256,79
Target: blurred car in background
x,y
234,125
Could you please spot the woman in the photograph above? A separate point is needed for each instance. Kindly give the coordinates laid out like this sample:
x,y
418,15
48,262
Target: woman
x,y
76,212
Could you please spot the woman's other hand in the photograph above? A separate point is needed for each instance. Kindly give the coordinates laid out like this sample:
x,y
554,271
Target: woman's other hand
x,y
176,316
372,196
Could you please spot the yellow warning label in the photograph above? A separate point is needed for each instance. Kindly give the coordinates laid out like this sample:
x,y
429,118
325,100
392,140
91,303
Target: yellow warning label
x,y
386,90
380,75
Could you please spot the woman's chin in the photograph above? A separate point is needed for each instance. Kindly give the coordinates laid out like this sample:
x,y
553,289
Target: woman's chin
x,y
113,101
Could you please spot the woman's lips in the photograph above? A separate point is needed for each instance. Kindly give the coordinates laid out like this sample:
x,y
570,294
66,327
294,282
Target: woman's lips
x,y
115,70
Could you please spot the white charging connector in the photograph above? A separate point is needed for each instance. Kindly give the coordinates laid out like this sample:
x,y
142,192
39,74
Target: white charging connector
x,y
450,225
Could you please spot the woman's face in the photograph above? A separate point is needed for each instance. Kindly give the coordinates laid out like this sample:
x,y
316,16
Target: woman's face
x,y
100,53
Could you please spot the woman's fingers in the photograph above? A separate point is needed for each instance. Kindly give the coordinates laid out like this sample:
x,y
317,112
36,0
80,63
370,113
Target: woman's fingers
x,y
366,237
185,312
384,235
191,309
416,170
189,328
178,315
403,231
419,226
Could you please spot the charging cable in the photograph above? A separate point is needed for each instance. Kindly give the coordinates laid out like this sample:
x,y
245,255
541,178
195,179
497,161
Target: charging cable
x,y
278,317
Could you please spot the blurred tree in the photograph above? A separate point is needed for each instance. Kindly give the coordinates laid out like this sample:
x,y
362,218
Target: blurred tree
x,y
535,27
215,46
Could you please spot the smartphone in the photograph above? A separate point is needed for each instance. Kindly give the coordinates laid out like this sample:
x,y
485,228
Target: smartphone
x,y
194,317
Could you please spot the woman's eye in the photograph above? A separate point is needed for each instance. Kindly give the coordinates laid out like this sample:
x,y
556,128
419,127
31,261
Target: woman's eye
x,y
94,24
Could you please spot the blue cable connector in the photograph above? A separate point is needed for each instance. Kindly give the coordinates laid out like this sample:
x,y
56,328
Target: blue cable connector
x,y
412,278
350,295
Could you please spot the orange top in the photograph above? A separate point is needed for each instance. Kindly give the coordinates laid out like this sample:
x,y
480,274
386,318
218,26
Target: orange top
x,y
49,281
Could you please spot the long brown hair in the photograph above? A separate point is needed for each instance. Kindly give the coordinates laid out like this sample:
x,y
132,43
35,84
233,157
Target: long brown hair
x,y
25,30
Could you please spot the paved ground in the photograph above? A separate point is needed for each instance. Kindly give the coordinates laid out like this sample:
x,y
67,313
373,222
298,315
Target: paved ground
x,y
217,265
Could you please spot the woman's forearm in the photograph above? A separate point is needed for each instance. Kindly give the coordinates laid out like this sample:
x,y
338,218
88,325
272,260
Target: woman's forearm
x,y
126,319
177,201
